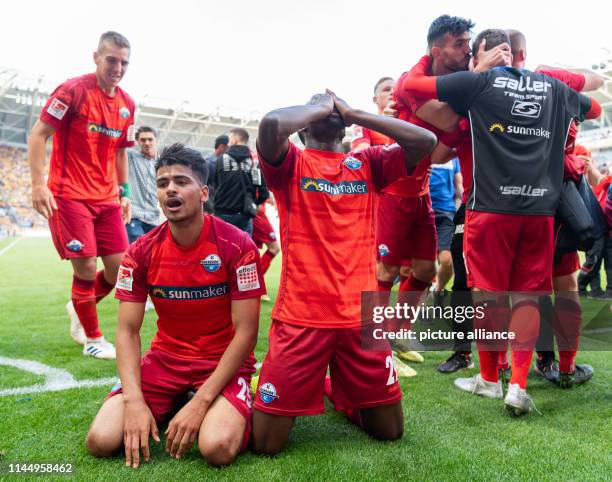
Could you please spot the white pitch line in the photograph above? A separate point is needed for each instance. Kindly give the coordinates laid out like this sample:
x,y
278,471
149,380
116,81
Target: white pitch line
x,y
56,379
6,248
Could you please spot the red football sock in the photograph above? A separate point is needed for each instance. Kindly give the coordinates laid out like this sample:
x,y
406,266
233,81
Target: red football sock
x,y
410,283
84,301
567,322
525,324
266,259
103,287
504,315
487,352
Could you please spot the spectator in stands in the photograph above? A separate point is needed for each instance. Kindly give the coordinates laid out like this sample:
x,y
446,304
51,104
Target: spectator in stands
x,y
220,148
141,162
237,183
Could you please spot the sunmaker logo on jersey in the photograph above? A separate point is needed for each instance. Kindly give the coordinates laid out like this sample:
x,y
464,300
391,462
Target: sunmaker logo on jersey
x,y
524,190
523,84
102,129
189,293
343,187
497,127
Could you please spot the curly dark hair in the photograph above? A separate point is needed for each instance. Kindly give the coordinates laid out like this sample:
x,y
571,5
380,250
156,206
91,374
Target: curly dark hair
x,y
446,24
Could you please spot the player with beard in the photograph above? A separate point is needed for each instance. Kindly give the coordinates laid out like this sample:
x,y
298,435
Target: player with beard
x,y
567,312
205,281
498,232
327,196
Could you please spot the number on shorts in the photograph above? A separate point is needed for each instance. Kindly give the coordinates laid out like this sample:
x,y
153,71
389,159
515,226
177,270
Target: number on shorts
x,y
245,392
392,375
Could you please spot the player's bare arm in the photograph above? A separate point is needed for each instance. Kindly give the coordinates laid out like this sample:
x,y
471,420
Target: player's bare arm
x,y
121,160
416,141
184,427
277,125
42,199
592,81
138,421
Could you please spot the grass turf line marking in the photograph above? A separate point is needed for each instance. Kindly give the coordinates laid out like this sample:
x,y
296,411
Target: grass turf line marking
x,y
56,379
5,249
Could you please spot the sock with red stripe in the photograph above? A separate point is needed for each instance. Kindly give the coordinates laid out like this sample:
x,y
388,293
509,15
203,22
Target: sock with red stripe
x,y
102,287
266,259
525,324
84,301
567,322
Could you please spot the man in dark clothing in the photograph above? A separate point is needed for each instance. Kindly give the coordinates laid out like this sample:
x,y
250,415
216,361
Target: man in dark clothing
x,y
211,160
236,179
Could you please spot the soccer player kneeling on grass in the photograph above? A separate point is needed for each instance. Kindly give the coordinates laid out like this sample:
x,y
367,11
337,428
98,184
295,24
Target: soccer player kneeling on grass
x,y
205,280
326,202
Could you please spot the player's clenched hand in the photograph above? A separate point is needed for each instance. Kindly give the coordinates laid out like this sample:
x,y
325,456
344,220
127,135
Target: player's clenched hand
x,y
390,110
184,427
43,201
138,423
126,210
497,56
342,107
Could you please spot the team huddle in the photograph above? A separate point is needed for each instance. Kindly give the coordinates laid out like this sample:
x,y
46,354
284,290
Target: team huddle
x,y
350,223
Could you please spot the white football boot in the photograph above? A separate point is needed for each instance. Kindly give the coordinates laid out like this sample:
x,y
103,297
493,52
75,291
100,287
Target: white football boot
x,y
477,386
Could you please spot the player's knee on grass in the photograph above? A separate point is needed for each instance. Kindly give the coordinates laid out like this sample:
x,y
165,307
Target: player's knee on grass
x,y
102,443
384,423
387,272
105,436
270,433
219,448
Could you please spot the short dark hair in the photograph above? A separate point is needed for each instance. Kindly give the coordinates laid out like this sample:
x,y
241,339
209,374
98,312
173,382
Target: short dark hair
x,y
446,24
380,81
142,129
221,140
185,156
241,134
493,36
115,38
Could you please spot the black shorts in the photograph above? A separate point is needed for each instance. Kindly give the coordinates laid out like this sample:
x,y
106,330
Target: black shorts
x,y
445,228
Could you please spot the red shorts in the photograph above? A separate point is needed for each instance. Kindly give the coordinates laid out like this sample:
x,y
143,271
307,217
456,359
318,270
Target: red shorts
x,y
292,376
508,252
405,229
165,377
568,264
80,229
263,232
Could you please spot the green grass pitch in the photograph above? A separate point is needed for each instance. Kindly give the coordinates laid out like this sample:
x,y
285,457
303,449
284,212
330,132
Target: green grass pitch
x,y
448,435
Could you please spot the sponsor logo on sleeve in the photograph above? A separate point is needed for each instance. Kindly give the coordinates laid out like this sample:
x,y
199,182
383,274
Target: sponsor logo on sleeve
x,y
131,135
248,278
357,132
57,109
125,278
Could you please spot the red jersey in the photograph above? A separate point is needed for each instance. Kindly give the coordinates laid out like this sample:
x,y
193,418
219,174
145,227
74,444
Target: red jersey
x,y
326,205
363,135
601,190
417,184
89,127
192,288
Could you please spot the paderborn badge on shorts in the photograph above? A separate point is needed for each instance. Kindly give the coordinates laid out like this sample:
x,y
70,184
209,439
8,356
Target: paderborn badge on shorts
x,y
125,278
248,279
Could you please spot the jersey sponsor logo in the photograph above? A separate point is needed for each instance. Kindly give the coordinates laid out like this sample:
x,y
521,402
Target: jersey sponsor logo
x,y
124,112
520,130
248,278
524,190
309,184
352,163
523,84
211,263
383,250
189,293
125,278
497,127
57,109
267,393
102,129
526,109
75,246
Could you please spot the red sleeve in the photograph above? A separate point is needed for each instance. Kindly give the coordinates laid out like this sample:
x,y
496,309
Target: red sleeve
x,y
417,74
386,164
361,135
608,207
132,276
246,278
277,177
572,80
59,104
128,138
